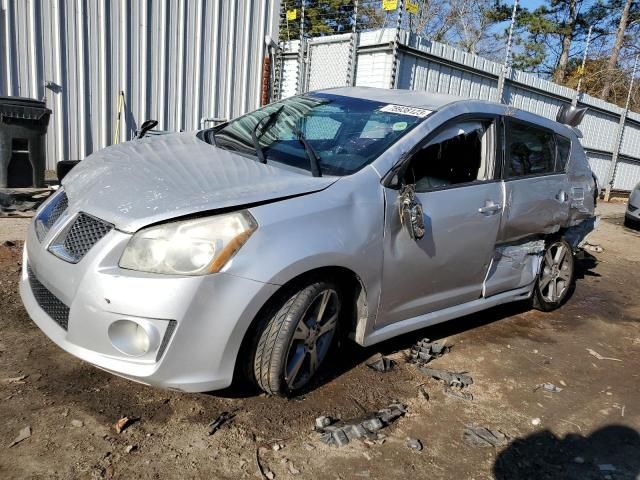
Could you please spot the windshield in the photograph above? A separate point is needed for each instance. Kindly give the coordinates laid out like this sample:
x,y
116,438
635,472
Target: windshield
x,y
344,133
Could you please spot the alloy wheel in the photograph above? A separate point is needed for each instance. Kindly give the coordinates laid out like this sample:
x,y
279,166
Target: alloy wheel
x,y
557,266
312,338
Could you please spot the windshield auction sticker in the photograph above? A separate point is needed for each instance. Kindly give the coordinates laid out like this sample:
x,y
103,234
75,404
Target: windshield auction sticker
x,y
403,110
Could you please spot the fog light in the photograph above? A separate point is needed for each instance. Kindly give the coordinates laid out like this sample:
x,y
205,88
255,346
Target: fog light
x,y
132,338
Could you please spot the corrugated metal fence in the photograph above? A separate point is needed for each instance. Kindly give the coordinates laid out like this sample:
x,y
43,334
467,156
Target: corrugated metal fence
x,y
435,67
175,60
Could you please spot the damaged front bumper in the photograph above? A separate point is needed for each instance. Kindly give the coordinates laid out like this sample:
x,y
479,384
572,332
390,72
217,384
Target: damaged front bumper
x,y
194,325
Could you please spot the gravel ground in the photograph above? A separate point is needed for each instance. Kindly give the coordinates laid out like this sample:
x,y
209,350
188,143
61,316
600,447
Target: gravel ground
x,y
588,430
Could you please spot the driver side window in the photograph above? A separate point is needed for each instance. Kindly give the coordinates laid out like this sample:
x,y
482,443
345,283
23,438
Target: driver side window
x,y
461,153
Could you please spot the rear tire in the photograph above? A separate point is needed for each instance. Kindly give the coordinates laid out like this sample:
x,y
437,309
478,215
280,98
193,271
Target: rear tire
x,y
632,224
295,340
556,277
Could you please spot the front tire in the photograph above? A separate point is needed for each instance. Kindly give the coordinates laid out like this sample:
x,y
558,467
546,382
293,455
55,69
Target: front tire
x,y
296,339
557,274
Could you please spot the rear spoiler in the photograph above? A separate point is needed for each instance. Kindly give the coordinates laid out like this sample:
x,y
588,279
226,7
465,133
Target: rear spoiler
x,y
571,115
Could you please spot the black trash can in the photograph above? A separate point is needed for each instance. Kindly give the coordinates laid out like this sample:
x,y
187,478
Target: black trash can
x,y
23,127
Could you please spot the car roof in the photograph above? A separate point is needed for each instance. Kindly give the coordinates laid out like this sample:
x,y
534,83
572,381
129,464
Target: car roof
x,y
410,98
437,101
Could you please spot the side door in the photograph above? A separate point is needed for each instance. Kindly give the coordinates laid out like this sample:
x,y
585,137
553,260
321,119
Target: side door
x,y
537,190
457,185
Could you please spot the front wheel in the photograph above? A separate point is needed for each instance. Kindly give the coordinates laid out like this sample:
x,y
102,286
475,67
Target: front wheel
x,y
556,276
294,342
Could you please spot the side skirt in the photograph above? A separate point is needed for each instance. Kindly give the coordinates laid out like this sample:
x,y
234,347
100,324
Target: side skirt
x,y
422,321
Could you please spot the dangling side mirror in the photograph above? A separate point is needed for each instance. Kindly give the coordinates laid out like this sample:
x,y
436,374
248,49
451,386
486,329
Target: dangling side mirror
x,y
411,213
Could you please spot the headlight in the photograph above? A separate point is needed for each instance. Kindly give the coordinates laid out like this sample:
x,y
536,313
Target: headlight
x,y
189,247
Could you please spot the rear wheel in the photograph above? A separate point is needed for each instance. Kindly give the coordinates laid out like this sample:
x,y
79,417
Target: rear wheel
x,y
295,340
633,224
556,276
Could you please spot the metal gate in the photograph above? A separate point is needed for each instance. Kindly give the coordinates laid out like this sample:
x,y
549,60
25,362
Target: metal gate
x,y
328,62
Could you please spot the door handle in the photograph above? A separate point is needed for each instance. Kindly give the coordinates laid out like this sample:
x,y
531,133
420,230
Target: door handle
x,y
490,208
562,196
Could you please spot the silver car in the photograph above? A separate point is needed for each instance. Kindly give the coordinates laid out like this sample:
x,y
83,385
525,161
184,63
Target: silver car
x,y
632,215
190,259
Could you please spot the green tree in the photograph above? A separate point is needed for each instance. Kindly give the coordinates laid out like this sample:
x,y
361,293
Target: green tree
x,y
328,17
628,15
547,37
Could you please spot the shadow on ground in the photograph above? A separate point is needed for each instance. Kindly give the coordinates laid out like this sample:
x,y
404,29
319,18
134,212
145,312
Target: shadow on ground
x,y
610,452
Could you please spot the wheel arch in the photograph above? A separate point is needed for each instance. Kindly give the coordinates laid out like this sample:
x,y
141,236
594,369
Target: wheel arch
x,y
351,286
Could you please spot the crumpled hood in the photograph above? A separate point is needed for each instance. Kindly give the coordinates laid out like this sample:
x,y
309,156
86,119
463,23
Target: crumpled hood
x,y
145,181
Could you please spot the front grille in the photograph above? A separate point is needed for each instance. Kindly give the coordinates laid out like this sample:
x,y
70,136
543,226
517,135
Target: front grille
x,y
48,302
73,243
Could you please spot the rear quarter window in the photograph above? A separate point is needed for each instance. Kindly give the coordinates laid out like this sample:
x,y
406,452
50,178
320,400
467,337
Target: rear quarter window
x,y
563,146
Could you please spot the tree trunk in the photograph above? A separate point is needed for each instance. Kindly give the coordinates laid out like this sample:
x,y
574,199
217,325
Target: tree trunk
x,y
615,53
563,61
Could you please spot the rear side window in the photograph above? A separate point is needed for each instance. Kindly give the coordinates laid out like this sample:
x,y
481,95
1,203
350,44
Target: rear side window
x,y
530,150
564,149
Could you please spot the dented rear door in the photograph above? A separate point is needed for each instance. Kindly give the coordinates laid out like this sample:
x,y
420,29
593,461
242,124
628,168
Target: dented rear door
x,y
537,196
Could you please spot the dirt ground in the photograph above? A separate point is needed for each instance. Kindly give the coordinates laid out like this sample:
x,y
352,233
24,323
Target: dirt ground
x,y
591,429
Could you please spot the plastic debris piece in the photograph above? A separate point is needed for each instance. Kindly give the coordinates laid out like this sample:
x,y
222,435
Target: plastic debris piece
x,y
453,379
77,423
548,387
15,380
414,444
593,248
342,432
22,435
457,393
355,431
424,351
323,421
600,357
124,423
481,437
535,421
382,364
340,438
223,418
373,424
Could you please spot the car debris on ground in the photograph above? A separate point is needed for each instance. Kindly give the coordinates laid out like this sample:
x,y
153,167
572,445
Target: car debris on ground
x,y
223,418
424,351
414,444
382,364
124,423
22,435
15,380
454,383
340,433
451,379
481,437
547,387
601,357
